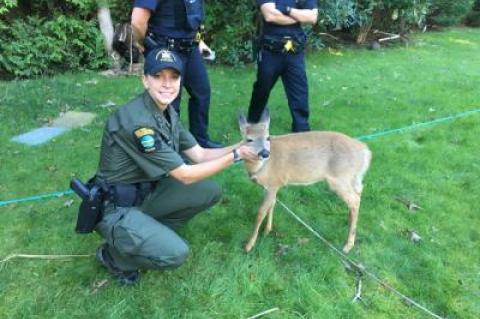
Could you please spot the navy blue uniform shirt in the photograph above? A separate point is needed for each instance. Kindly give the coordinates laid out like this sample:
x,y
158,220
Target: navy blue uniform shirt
x,y
286,30
169,17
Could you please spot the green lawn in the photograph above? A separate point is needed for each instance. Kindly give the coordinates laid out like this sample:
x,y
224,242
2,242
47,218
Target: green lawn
x,y
357,92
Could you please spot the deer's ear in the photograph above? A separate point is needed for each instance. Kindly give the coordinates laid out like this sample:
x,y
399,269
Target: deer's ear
x,y
242,121
265,118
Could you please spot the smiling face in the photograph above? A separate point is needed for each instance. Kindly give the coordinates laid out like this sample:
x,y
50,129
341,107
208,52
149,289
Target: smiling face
x,y
163,87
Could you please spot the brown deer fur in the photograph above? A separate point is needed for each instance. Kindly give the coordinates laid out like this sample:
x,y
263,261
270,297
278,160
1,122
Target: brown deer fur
x,y
303,159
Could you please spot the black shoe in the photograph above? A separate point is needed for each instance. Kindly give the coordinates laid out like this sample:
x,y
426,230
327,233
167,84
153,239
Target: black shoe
x,y
123,277
211,144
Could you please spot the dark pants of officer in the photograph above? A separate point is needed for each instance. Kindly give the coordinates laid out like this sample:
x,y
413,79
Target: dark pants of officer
x,y
144,237
195,81
291,67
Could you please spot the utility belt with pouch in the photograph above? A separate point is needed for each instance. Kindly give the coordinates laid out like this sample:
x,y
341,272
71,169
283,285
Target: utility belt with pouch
x,y
153,41
95,195
286,44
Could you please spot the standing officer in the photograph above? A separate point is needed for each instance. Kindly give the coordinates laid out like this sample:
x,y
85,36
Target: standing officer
x,y
176,25
281,54
149,189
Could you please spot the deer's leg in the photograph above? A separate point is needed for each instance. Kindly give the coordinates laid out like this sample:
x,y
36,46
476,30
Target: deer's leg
x,y
348,194
262,212
353,206
268,227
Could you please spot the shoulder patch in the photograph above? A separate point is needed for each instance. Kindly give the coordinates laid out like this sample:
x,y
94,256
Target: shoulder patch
x,y
147,141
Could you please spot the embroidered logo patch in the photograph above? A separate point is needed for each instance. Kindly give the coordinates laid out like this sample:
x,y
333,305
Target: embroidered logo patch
x,y
165,56
146,139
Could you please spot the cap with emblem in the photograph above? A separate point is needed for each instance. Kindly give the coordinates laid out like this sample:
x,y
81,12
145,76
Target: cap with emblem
x,y
160,59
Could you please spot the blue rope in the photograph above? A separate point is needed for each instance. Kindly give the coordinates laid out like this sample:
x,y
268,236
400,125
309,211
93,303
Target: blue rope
x,y
34,198
363,137
418,125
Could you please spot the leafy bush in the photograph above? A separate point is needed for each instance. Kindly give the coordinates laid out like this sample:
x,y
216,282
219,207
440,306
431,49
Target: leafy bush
x,y
360,16
447,12
473,19
36,46
231,29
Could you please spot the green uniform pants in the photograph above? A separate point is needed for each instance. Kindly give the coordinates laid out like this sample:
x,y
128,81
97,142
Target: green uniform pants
x,y
144,237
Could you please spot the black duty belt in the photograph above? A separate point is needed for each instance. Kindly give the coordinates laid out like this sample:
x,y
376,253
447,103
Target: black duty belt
x,y
96,194
176,44
285,44
128,195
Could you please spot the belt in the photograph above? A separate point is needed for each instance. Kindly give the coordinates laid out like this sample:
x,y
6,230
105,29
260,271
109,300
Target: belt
x,y
128,195
178,44
285,44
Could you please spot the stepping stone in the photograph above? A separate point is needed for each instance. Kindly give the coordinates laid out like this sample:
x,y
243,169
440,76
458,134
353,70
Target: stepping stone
x,y
39,135
60,125
72,119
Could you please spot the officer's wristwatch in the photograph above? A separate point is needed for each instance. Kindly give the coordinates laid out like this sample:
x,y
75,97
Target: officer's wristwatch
x,y
288,10
236,156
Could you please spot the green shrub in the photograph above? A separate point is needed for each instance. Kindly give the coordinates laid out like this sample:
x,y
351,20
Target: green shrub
x,y
473,19
230,29
447,12
35,46
476,6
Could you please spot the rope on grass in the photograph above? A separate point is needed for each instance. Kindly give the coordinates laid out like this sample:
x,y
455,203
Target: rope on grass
x,y
263,313
34,198
48,257
419,125
358,266
363,137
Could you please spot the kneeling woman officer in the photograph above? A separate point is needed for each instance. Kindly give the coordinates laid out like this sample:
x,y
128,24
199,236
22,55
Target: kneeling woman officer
x,y
152,190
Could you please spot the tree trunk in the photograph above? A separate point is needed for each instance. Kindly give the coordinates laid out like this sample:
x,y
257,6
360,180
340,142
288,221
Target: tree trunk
x,y
106,27
363,32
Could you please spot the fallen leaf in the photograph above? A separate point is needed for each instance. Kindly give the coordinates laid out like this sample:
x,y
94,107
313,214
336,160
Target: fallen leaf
x,y
282,250
68,203
52,168
98,285
252,276
108,104
334,52
408,203
302,241
382,226
93,81
414,236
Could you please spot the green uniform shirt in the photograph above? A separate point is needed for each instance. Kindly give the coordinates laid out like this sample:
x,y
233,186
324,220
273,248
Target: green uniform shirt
x,y
139,144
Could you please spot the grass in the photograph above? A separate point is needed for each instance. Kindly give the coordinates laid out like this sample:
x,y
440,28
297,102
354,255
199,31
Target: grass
x,y
358,92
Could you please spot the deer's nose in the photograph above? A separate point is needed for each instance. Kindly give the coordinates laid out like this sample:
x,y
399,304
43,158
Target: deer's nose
x,y
264,153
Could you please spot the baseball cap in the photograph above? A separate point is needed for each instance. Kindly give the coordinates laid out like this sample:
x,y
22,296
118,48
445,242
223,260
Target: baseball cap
x,y
160,59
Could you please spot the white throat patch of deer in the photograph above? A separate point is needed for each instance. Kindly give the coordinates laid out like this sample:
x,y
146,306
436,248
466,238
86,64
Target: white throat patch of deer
x,y
303,159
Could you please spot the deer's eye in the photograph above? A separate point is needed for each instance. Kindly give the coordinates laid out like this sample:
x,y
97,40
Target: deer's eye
x,y
249,140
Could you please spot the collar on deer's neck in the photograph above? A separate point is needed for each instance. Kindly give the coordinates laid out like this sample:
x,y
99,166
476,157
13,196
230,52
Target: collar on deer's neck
x,y
257,169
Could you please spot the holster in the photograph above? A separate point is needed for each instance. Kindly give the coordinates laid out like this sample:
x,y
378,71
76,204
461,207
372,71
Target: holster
x,y
95,193
90,210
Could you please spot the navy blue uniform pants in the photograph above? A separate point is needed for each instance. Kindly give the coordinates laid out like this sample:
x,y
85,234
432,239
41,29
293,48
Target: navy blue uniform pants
x,y
291,68
195,81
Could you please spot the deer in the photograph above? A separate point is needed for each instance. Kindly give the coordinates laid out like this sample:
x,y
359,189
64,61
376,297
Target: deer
x,y
302,159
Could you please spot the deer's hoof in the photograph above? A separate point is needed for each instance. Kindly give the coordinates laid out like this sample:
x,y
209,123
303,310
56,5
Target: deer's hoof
x,y
248,247
347,248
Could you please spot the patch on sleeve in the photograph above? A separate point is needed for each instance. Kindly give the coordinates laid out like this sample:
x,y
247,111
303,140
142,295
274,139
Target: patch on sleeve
x,y
146,139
